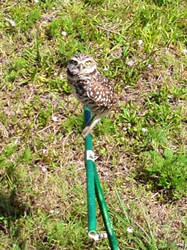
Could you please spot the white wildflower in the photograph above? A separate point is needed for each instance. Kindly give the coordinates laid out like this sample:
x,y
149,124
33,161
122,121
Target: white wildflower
x,y
64,33
44,169
130,230
55,118
36,1
44,150
184,51
149,66
16,141
12,23
127,87
105,68
144,129
130,63
140,42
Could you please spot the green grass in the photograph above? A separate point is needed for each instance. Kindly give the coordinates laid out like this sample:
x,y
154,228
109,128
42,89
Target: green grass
x,y
140,151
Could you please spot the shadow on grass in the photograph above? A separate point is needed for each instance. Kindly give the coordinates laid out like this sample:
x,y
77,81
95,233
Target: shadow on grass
x,y
165,194
11,207
10,210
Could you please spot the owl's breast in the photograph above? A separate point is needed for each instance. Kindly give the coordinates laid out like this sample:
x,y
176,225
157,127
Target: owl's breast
x,y
80,90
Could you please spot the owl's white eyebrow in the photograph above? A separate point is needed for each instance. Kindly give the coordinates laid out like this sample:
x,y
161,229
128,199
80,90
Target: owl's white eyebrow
x,y
85,60
74,60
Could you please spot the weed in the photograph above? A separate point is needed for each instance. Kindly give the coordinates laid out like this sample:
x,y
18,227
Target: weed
x,y
168,171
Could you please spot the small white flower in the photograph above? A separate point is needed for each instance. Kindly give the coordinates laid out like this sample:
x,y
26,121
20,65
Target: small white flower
x,y
61,76
44,150
44,169
149,66
55,74
144,129
184,51
130,63
12,23
64,33
16,141
55,118
51,211
130,230
140,42
127,87
36,1
105,68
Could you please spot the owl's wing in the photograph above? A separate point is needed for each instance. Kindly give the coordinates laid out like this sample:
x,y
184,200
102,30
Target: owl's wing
x,y
101,92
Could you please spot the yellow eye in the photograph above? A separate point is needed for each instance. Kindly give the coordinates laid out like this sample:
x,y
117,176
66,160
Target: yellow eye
x,y
88,63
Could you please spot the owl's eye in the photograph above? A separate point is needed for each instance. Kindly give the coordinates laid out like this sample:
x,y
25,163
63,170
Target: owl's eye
x,y
88,63
74,62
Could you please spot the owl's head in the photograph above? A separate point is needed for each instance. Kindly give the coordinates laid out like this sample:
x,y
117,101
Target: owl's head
x,y
81,64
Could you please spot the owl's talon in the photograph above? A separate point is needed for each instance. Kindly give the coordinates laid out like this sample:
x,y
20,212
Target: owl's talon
x,y
85,132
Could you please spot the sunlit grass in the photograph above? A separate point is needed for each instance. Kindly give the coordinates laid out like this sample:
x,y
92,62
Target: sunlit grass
x,y
140,150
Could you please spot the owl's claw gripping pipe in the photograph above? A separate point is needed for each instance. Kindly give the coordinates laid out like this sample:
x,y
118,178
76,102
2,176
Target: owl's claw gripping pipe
x,y
87,130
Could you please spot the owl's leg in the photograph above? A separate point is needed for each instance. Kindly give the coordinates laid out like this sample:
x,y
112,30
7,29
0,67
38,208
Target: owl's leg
x,y
90,121
90,126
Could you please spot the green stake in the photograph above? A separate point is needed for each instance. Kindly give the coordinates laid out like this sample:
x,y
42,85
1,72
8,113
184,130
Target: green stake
x,y
104,210
94,188
92,230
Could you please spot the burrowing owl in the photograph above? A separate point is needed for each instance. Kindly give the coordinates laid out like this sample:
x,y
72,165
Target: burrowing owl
x,y
90,87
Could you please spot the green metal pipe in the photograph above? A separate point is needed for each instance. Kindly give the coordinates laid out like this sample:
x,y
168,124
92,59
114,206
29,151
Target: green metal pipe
x,y
89,162
94,188
104,210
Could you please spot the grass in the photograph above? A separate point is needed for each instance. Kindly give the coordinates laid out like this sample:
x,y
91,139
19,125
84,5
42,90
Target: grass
x,y
140,151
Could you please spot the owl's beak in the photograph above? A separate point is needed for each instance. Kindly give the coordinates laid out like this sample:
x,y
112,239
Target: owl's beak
x,y
80,67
